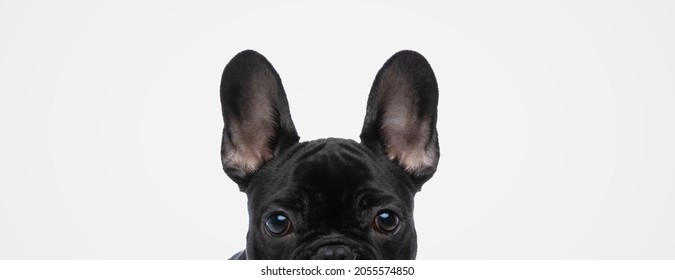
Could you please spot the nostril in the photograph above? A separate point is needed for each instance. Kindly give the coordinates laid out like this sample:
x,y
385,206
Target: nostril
x,y
328,255
340,253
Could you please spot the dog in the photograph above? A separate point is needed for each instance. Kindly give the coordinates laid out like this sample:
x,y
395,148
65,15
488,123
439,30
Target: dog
x,y
330,199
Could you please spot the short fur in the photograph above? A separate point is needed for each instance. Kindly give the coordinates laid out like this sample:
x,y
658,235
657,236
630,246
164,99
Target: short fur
x,y
331,190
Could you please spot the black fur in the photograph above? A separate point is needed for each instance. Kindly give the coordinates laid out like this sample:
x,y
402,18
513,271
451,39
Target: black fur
x,y
331,190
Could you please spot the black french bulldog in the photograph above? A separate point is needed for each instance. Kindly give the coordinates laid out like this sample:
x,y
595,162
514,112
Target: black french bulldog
x,y
330,198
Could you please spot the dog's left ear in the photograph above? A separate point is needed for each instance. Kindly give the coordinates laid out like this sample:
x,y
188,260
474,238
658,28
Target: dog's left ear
x,y
401,115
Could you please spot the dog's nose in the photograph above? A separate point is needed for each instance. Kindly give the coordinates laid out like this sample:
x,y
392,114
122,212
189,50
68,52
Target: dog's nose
x,y
334,252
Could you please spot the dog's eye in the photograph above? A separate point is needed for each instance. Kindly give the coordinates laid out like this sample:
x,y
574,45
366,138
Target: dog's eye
x,y
386,221
278,224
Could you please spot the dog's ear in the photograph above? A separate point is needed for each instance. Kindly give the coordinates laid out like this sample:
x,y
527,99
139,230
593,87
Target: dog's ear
x,y
401,115
257,119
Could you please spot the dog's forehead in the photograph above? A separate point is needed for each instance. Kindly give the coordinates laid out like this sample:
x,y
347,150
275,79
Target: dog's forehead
x,y
328,169
328,164
335,163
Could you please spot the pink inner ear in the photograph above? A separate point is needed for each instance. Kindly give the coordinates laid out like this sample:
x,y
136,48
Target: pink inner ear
x,y
251,134
406,142
404,132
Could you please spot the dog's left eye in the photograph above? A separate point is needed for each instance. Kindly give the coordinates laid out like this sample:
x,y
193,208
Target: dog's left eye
x,y
386,221
278,224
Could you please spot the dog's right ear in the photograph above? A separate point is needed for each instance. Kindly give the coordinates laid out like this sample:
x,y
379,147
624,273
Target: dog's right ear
x,y
255,111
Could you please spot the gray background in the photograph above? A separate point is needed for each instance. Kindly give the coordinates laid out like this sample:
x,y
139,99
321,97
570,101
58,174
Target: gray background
x,y
556,121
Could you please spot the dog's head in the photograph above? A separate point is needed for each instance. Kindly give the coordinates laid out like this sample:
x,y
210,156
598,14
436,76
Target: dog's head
x,y
330,198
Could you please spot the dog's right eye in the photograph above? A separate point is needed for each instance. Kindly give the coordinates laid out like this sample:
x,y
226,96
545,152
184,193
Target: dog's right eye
x,y
278,224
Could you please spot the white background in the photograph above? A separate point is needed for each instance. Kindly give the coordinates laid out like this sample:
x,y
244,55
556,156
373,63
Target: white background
x,y
556,121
